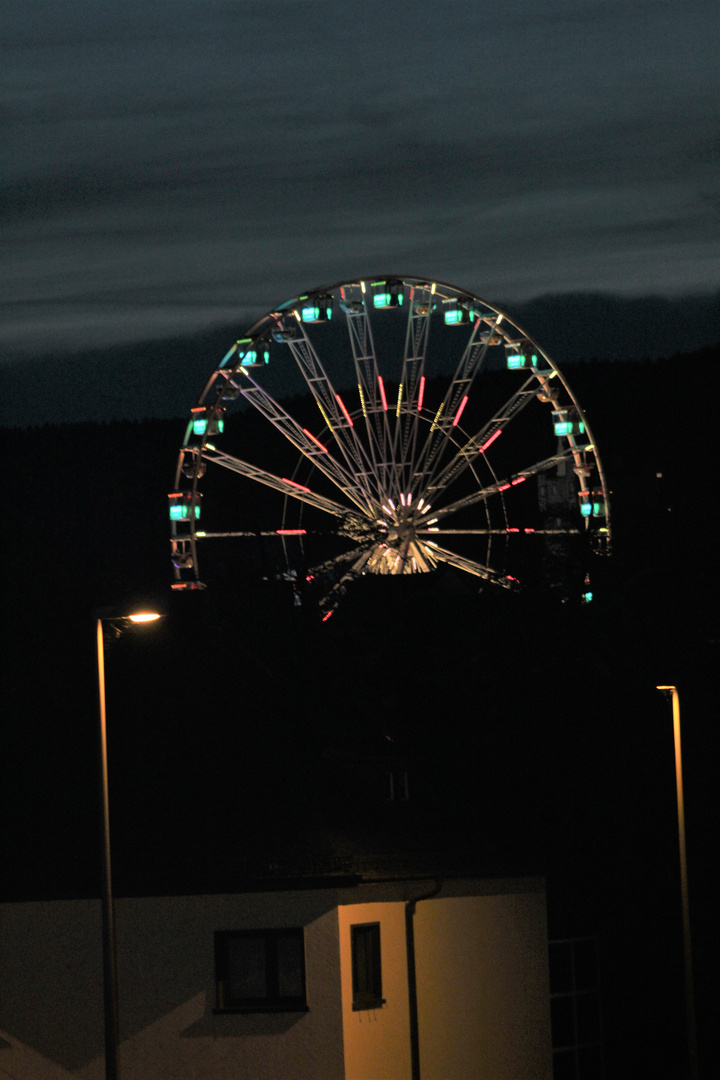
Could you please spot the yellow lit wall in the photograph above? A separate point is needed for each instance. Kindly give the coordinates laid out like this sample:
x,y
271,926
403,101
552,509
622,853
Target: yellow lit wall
x,y
483,988
377,1041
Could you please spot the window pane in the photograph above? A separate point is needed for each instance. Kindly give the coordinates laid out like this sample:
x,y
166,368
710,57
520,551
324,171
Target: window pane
x,y
247,968
588,1018
561,978
563,1021
564,1065
290,966
590,1062
586,967
363,963
366,972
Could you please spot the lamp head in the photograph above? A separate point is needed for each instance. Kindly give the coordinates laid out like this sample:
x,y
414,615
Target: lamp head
x,y
142,611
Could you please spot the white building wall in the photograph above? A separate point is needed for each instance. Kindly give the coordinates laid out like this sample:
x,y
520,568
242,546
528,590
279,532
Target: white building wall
x,y
50,972
50,986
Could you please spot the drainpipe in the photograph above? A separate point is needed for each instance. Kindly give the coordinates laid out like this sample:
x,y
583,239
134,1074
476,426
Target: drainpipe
x,y
410,906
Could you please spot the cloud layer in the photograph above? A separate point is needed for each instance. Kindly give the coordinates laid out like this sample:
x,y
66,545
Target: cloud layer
x,y
170,164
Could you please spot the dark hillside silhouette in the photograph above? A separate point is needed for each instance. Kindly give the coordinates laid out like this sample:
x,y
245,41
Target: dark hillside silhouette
x,y
162,378
243,732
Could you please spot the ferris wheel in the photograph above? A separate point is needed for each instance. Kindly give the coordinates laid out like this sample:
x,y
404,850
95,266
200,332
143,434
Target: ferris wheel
x,y
405,424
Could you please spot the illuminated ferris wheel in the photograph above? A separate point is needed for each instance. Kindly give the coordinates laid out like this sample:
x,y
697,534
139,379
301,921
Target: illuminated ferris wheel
x,y
406,425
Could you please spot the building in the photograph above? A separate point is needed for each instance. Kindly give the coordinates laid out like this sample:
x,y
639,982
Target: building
x,y
383,977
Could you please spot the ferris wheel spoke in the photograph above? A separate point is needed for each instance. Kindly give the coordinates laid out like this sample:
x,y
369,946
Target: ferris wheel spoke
x,y
334,412
439,531
481,441
330,566
283,484
330,601
371,387
448,415
470,364
470,566
304,441
411,388
500,486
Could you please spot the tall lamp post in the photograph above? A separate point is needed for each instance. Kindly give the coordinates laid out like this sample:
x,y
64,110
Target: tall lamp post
x,y
110,997
671,691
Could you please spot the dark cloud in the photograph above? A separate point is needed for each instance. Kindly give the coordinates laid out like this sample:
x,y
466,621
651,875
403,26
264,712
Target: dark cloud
x,y
168,163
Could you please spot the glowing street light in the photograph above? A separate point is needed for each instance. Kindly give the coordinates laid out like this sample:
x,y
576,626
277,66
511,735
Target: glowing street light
x,y
671,691
110,997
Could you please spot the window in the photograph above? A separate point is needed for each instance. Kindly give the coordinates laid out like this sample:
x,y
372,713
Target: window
x,y
260,970
398,789
366,972
575,1009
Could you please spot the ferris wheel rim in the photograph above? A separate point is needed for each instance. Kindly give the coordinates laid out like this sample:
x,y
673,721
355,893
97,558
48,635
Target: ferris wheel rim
x,y
355,453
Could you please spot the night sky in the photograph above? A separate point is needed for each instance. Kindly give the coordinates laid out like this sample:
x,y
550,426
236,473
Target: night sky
x,y
179,165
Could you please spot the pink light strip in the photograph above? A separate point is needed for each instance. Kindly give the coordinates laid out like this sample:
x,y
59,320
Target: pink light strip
x,y
291,532
294,484
518,480
421,392
459,413
382,392
346,414
316,441
503,487
496,435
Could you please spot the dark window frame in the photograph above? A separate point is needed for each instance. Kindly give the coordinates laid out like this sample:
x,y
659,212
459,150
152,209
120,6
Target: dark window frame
x,y
576,1008
272,1001
366,965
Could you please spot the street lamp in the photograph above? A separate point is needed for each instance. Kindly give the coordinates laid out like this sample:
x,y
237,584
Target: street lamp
x,y
110,998
671,691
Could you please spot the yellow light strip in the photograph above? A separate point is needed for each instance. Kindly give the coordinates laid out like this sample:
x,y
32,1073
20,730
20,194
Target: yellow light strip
x,y
324,416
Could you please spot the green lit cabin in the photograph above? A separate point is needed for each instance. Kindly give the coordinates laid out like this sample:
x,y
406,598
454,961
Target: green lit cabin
x,y
456,316
184,505
519,358
208,421
316,309
459,313
567,422
599,507
592,504
389,294
256,356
